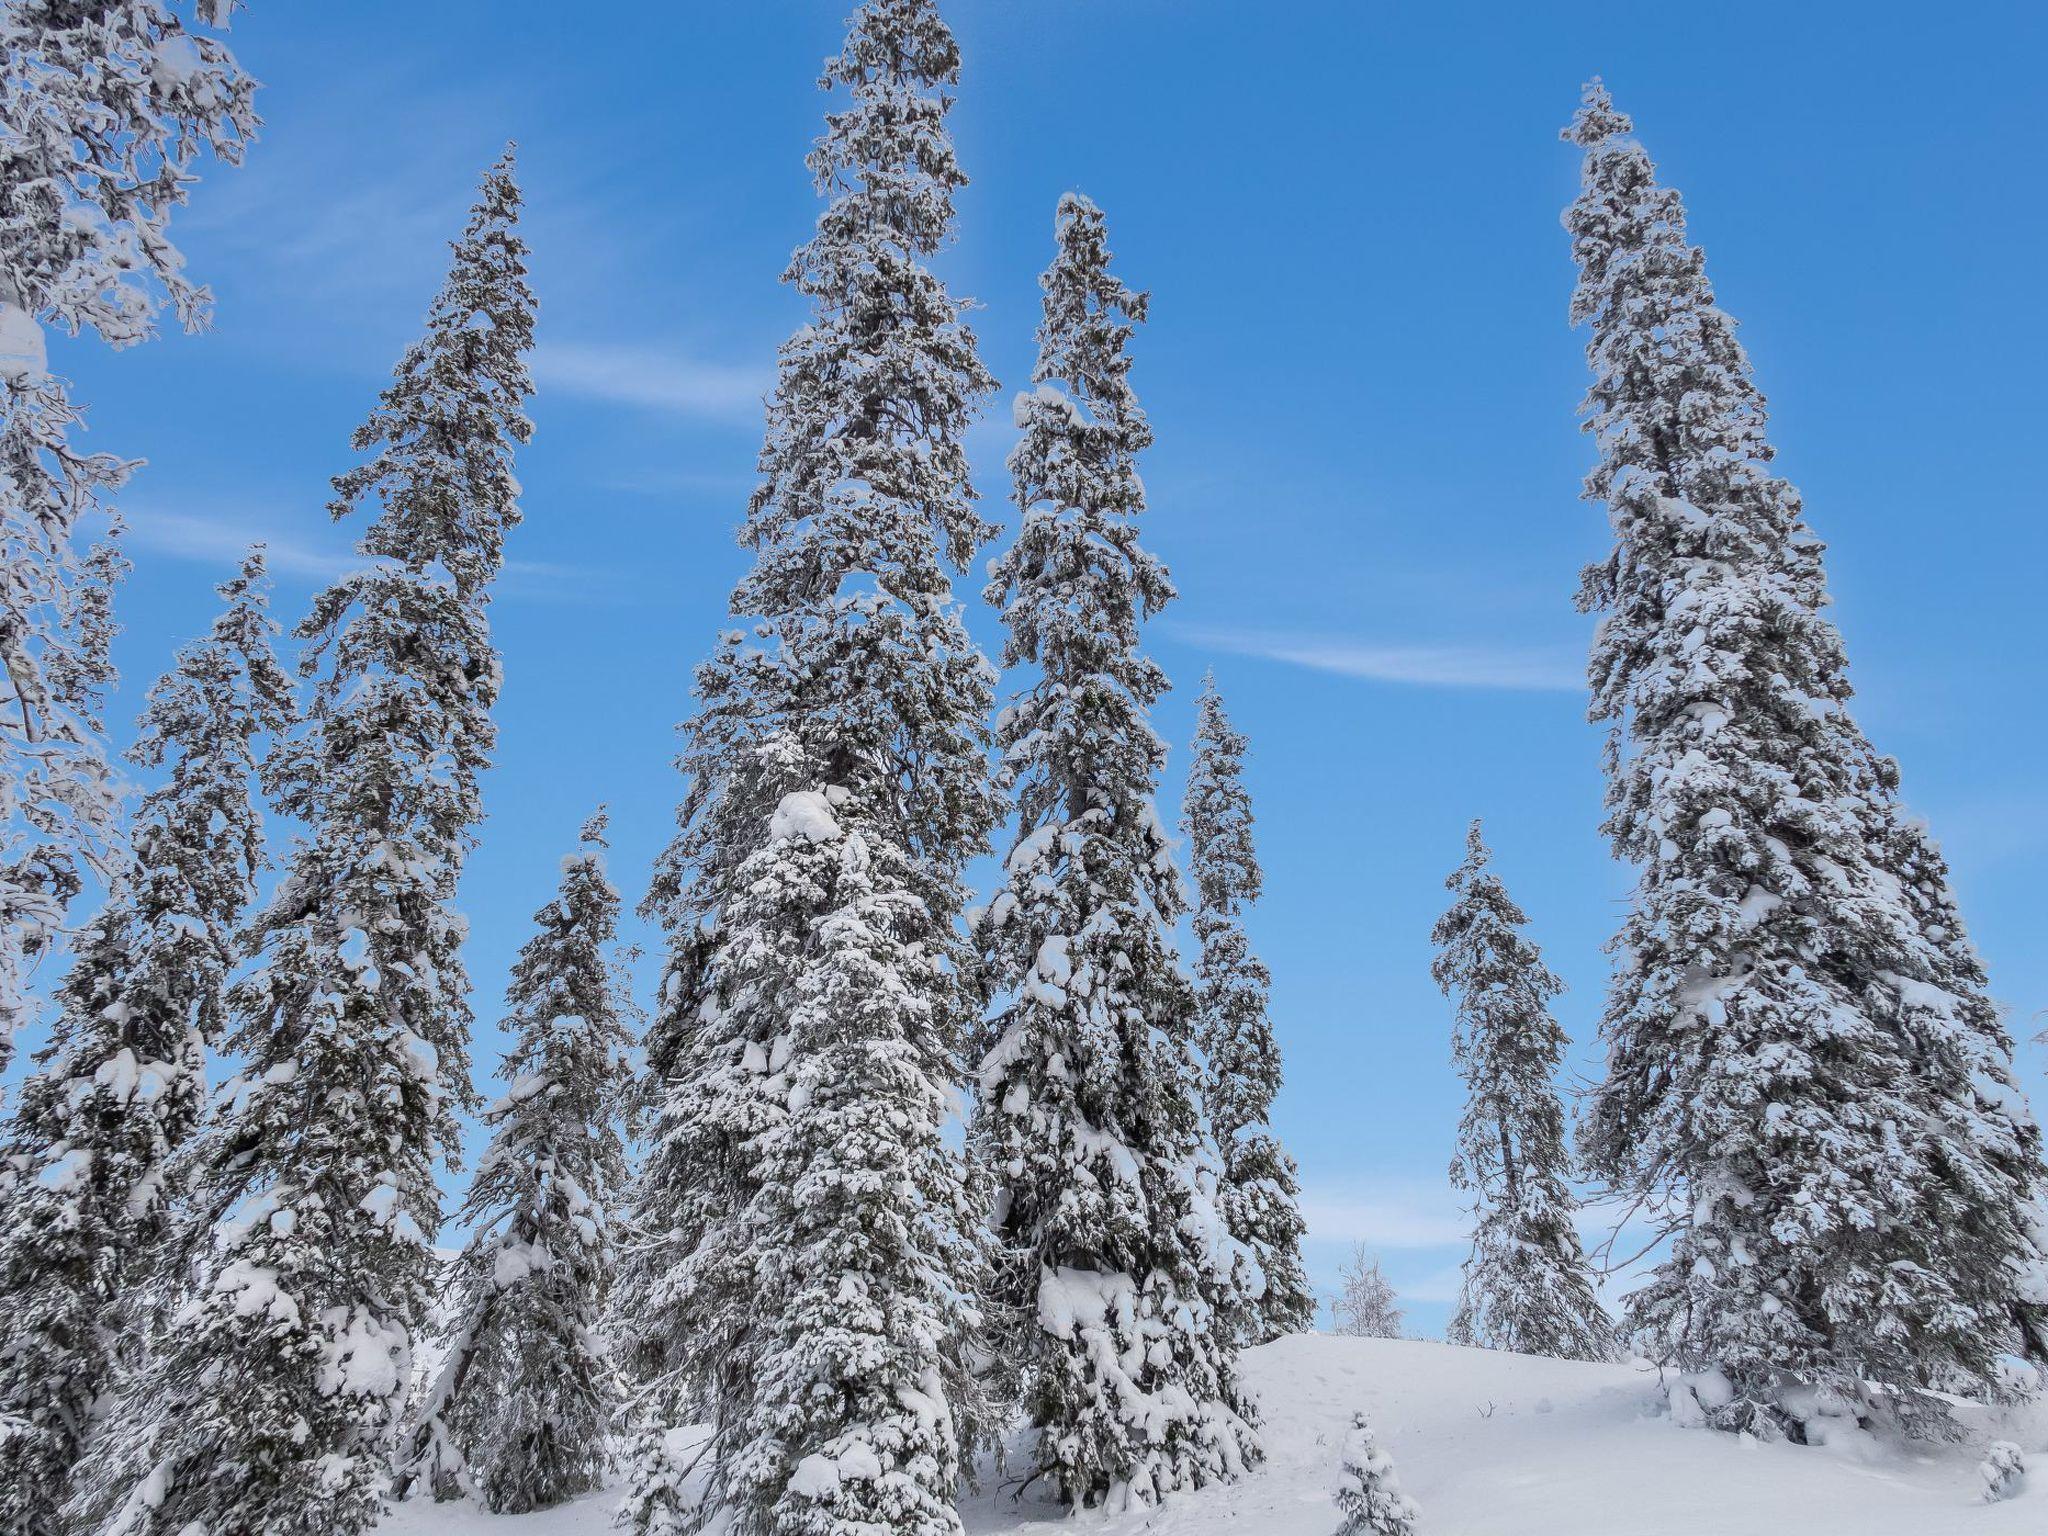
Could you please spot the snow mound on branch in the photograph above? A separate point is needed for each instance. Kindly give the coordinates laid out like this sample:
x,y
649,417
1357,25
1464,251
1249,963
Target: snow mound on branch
x,y
23,354
806,814
1489,1444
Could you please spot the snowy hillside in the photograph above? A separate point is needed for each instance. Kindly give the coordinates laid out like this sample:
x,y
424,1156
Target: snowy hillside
x,y
1494,1444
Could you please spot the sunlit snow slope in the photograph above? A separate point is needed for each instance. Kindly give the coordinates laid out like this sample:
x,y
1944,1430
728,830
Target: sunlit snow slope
x,y
1500,1445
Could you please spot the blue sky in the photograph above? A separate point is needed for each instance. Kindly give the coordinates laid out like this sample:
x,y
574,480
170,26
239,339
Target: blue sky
x,y
1358,368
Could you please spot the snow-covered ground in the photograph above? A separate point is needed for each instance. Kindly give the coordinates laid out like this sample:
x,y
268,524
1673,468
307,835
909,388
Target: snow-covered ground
x,y
1494,1444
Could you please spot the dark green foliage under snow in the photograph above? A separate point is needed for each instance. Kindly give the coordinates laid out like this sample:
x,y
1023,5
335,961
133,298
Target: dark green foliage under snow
x,y
1259,1193
1527,1285
1116,1279
274,1404
1805,1078
1368,1495
209,1324
89,1155
809,1245
519,1414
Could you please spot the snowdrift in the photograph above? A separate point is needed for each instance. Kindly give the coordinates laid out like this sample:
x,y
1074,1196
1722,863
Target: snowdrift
x,y
1493,1444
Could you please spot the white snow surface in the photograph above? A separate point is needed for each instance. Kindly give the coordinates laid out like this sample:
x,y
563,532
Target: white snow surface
x,y
23,354
806,813
1494,1444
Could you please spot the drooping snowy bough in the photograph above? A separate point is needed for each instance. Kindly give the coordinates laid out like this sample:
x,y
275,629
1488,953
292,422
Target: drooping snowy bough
x,y
105,105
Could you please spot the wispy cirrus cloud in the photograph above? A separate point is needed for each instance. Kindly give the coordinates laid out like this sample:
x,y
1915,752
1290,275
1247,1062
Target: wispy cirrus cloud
x,y
652,379
222,541
1441,1285
1385,1215
1520,668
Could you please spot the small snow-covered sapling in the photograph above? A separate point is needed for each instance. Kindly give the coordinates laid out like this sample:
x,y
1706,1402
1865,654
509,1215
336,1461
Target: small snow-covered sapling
x,y
1368,1492
2004,1470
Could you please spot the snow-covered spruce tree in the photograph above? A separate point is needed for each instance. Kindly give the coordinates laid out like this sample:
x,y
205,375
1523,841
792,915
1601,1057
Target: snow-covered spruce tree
x,y
519,1414
1527,1285
120,1085
1804,1072
274,1404
806,1244
1115,1277
1368,1493
104,107
1367,1307
1259,1193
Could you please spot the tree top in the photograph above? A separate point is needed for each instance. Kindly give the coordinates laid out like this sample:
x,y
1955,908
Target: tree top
x,y
1597,119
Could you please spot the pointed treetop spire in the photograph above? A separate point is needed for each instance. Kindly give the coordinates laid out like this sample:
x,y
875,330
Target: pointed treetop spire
x,y
594,829
1084,240
1218,820
1597,119
1070,346
358,974
1477,857
444,430
890,41
886,157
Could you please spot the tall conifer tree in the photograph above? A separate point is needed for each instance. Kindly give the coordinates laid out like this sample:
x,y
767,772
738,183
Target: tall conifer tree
x,y
121,1084
105,105
1804,1071
1527,1285
274,1405
1116,1277
1259,1192
521,1410
809,1243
